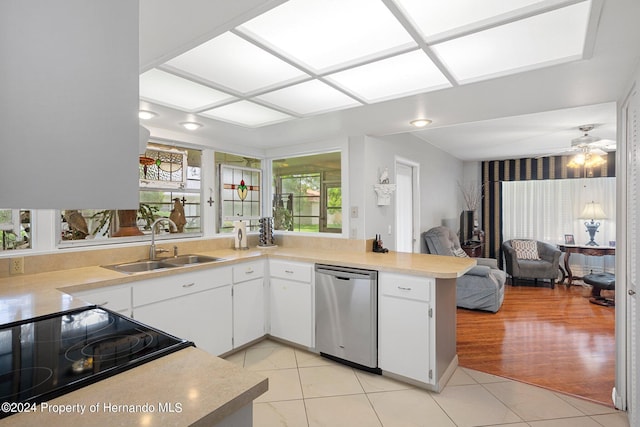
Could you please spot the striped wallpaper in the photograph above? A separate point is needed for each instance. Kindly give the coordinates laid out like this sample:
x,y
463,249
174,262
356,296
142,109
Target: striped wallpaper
x,y
496,171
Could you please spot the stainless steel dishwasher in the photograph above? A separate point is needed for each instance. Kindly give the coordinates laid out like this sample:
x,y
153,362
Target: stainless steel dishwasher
x,y
347,315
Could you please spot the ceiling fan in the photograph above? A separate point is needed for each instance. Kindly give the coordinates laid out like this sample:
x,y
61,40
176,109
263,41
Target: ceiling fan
x,y
585,147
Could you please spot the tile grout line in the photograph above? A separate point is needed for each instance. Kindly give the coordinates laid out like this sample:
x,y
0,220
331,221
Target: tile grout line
x,y
304,400
368,400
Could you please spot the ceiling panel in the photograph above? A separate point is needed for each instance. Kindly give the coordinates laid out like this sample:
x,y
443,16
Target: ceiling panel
x,y
246,113
541,40
400,75
173,91
436,16
309,97
309,57
233,62
329,33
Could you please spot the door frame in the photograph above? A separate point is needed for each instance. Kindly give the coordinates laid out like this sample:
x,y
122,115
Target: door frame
x,y
415,173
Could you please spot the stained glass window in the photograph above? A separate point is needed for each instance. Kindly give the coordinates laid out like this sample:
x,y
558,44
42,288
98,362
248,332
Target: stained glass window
x,y
232,206
163,167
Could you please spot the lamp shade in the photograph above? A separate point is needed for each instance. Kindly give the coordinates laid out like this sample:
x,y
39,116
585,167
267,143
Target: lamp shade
x,y
593,210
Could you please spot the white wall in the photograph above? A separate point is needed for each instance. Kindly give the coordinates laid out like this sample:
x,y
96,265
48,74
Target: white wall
x,y
440,172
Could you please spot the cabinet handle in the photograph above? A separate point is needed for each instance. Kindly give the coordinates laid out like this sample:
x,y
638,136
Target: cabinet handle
x,y
288,271
188,285
404,289
249,270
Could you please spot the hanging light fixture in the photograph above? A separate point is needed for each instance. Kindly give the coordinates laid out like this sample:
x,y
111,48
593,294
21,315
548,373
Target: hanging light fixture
x,y
587,159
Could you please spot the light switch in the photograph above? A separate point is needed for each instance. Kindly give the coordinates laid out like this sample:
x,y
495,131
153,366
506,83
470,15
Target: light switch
x,y
354,212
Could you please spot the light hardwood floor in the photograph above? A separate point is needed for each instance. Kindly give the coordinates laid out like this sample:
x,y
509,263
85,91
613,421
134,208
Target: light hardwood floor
x,y
553,338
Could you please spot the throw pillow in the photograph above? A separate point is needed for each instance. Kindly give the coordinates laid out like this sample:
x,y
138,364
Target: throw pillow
x,y
525,249
459,253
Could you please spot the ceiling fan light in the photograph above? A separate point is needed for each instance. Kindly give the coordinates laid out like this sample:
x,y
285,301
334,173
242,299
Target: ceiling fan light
x,y
594,161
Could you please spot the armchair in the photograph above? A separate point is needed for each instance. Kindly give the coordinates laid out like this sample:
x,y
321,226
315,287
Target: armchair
x,y
541,265
482,287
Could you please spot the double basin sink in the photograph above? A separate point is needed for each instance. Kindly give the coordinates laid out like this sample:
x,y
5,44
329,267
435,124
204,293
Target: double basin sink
x,y
164,263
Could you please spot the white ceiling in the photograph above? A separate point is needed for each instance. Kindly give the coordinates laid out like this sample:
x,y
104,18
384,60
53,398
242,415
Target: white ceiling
x,y
484,104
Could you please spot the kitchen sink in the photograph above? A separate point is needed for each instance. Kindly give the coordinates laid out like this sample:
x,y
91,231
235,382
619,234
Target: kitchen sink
x,y
153,265
191,259
140,266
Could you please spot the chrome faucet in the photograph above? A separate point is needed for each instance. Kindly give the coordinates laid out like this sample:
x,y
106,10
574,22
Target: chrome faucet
x,y
152,250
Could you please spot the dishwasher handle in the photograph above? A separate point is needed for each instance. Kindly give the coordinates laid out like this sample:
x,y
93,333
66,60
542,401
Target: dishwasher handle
x,y
346,273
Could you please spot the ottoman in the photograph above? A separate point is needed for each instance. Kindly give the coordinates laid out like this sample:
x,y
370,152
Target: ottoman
x,y
600,281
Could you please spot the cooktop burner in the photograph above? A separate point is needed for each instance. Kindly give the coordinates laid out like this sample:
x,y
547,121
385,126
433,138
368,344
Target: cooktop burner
x,y
48,356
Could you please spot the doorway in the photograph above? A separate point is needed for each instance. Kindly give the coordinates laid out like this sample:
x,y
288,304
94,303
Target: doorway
x,y
407,206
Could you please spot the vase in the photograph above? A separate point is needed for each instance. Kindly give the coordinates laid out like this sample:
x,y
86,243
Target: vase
x,y
127,224
466,226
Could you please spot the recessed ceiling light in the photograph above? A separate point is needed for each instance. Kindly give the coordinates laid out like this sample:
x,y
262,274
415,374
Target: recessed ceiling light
x,y
146,114
420,123
191,125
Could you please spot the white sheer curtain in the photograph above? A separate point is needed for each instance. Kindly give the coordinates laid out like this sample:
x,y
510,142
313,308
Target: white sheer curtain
x,y
546,210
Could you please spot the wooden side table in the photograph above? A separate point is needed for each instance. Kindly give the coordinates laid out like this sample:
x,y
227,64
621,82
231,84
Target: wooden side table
x,y
584,250
474,250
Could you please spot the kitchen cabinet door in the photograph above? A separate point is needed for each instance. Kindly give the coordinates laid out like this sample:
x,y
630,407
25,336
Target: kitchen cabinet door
x,y
404,328
248,311
204,318
291,309
115,298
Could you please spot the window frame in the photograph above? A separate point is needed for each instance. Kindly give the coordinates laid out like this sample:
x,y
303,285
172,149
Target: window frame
x,y
342,149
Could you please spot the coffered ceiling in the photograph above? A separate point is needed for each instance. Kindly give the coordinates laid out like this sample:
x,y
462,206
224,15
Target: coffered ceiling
x,y
278,73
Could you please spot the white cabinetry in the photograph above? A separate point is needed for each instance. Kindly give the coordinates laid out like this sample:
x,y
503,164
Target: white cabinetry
x,y
416,328
291,301
114,298
404,328
194,305
248,302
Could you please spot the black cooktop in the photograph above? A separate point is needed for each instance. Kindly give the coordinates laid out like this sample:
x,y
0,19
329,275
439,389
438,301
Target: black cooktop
x,y
45,357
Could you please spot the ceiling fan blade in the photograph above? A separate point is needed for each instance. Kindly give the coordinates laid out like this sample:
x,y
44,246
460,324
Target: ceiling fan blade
x,y
597,151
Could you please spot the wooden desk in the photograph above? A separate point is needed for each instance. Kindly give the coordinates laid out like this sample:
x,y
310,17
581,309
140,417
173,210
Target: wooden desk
x,y
584,250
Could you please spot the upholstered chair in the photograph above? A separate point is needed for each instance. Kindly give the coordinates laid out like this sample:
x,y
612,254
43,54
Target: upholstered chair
x,y
531,259
482,287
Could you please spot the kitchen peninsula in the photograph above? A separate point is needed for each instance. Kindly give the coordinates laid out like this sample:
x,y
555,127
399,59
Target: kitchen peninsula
x,y
205,399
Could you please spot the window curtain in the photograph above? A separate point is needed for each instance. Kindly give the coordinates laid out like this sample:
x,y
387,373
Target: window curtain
x,y
548,210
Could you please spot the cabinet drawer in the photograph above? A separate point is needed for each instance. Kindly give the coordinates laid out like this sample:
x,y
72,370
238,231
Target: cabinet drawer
x,y
116,299
409,287
291,270
248,271
163,288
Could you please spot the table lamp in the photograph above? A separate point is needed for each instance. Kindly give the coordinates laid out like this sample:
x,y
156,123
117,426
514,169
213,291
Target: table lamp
x,y
592,211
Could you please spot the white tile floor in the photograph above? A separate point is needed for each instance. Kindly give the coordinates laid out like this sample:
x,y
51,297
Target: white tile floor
x,y
306,390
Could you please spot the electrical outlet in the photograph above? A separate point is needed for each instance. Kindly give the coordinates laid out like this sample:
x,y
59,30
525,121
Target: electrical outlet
x,y
16,265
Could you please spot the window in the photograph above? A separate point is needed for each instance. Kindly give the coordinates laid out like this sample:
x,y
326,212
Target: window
x,y
169,187
307,193
548,209
240,189
15,229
